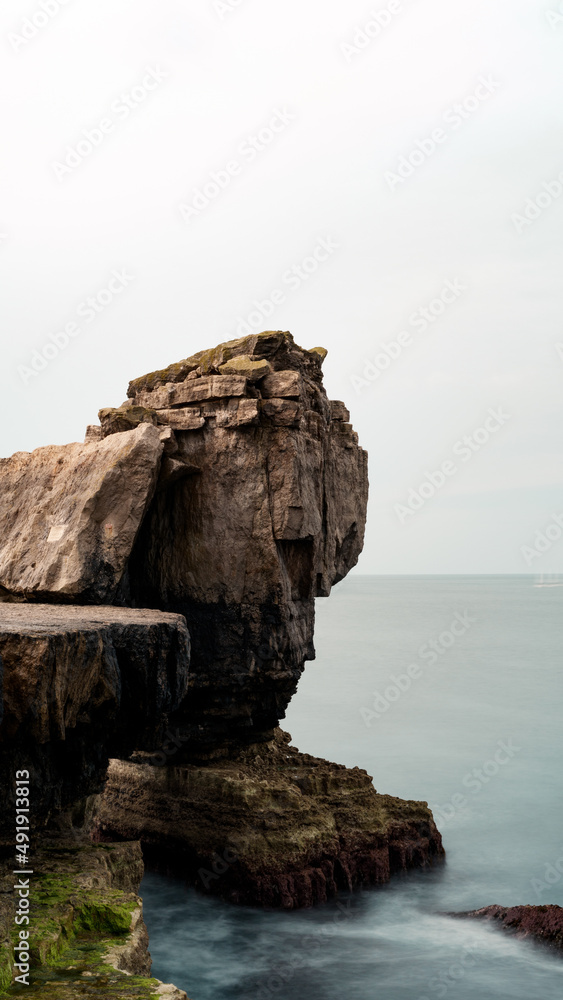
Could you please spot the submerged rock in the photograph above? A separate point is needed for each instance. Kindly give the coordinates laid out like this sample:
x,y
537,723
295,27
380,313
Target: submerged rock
x,y
268,825
543,924
80,685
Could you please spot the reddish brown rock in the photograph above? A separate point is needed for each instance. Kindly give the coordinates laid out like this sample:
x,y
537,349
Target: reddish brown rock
x,y
543,924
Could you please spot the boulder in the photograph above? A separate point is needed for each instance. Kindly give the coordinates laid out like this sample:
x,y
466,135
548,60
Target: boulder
x,y
69,515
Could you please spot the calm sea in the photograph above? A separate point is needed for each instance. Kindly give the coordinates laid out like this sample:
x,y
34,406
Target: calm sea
x,y
478,734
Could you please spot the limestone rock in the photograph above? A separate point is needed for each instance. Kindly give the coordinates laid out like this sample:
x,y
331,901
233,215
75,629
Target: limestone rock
x,y
273,518
282,384
69,515
274,346
124,418
82,684
93,433
246,366
282,412
268,825
213,387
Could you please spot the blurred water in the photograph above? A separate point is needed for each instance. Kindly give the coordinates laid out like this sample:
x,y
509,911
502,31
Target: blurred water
x,y
502,821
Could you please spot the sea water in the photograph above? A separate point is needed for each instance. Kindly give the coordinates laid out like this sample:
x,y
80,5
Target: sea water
x,y
478,734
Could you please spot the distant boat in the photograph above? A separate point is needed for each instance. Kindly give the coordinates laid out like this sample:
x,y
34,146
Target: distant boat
x,y
549,580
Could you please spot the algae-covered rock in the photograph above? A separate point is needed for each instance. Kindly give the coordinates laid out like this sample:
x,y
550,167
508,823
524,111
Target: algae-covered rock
x,y
87,936
244,365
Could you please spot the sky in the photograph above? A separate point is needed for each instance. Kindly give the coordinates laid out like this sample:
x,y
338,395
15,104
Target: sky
x,y
169,168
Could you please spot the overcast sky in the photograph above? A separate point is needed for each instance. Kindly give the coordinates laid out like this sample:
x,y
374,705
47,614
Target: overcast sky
x,y
415,148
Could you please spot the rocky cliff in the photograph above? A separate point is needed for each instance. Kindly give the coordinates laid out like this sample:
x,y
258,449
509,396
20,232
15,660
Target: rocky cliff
x,y
211,508
264,510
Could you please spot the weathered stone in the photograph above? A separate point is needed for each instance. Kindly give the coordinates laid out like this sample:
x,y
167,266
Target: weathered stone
x,y
282,412
93,433
278,348
124,418
69,515
232,413
247,367
183,419
173,469
339,410
81,684
275,516
212,387
292,828
543,924
282,384
169,441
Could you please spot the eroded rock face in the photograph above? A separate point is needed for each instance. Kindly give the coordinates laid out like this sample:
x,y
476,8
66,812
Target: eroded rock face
x,y
263,509
268,825
69,515
80,685
543,924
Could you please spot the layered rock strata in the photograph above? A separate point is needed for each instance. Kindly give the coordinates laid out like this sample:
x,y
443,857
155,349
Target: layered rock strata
x,y
80,685
543,924
87,936
264,509
267,826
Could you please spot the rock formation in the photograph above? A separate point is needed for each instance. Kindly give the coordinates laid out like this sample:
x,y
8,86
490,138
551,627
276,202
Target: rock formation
x,y
543,924
212,507
81,684
268,825
264,510
69,516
